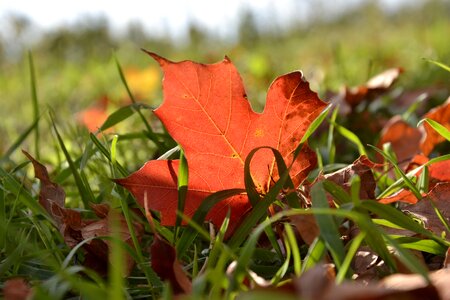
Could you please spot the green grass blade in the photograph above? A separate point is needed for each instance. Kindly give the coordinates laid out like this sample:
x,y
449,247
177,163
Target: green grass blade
x,y
330,139
351,253
352,138
35,105
408,259
328,229
183,176
85,192
412,187
118,116
442,130
421,244
315,124
316,252
20,140
400,219
107,154
296,258
189,233
11,185
153,137
337,192
439,64
117,263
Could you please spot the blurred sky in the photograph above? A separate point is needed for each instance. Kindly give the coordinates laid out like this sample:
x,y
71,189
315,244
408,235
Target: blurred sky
x,y
173,16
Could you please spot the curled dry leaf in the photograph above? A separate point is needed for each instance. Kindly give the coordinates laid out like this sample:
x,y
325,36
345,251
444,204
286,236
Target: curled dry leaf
x,y
440,114
75,229
374,87
424,211
206,111
17,289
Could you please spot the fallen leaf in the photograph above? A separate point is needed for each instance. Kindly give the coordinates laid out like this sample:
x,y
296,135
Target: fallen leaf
x,y
206,111
306,226
404,139
318,284
75,229
439,280
165,264
440,114
402,195
438,172
361,167
423,210
374,87
17,289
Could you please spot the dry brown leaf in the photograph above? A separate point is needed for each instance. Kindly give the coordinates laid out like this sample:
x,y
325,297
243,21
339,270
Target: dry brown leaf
x,y
404,139
440,280
440,114
17,289
376,86
306,226
423,210
361,167
165,264
75,229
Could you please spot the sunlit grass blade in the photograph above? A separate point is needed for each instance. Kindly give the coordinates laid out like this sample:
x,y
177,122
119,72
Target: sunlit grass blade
x,y
351,253
408,259
316,252
439,64
107,154
400,219
421,244
442,130
315,124
296,258
118,116
400,181
405,177
35,105
339,194
183,176
352,138
330,139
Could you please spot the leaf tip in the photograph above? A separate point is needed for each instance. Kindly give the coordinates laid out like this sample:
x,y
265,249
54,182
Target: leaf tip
x,y
161,60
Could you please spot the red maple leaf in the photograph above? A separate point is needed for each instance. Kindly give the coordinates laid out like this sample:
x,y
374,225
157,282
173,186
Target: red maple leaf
x,y
206,111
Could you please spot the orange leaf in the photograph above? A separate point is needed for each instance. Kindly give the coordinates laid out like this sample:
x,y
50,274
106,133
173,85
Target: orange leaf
x,y
404,139
440,114
206,111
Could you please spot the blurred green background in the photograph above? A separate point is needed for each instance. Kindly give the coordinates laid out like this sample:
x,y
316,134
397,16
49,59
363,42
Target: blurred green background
x,y
74,65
